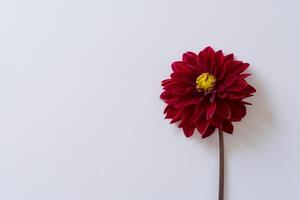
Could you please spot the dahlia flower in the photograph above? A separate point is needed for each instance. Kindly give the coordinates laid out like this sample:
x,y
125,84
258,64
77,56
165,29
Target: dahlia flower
x,y
206,91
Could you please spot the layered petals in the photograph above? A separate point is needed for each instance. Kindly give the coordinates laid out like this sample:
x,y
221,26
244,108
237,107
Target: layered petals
x,y
211,109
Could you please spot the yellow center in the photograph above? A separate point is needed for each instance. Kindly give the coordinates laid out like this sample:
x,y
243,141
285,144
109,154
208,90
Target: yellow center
x,y
205,82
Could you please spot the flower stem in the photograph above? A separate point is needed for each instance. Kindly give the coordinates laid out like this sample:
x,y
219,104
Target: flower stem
x,y
221,166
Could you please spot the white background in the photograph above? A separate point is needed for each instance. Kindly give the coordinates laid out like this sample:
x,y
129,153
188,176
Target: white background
x,y
80,114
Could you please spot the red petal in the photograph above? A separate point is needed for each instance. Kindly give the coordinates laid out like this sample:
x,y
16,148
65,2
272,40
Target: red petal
x,y
209,131
181,89
188,101
166,96
220,87
216,121
230,79
168,107
204,58
249,89
238,111
183,77
175,119
186,115
212,65
236,96
211,110
241,68
199,110
209,50
225,68
188,130
202,61
221,72
229,57
234,66
222,95
209,56
242,76
175,83
238,85
227,126
223,109
170,114
180,66
228,65
246,103
190,58
213,96
166,82
219,58
202,124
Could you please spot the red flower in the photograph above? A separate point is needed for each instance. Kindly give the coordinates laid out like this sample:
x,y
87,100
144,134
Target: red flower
x,y
206,92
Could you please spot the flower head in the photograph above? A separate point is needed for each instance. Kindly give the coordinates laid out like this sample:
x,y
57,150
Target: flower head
x,y
206,91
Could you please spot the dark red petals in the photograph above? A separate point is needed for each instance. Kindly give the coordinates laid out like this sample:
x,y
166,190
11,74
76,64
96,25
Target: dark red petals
x,y
168,107
200,111
230,79
241,68
234,66
209,59
166,82
195,114
174,114
209,50
242,76
227,126
186,115
206,111
249,89
188,130
222,95
166,96
216,121
202,125
238,85
209,131
220,87
212,65
182,90
176,118
236,96
190,58
246,103
211,110
206,59
202,62
219,58
180,66
170,114
229,57
238,111
183,102
184,77
223,109
220,72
